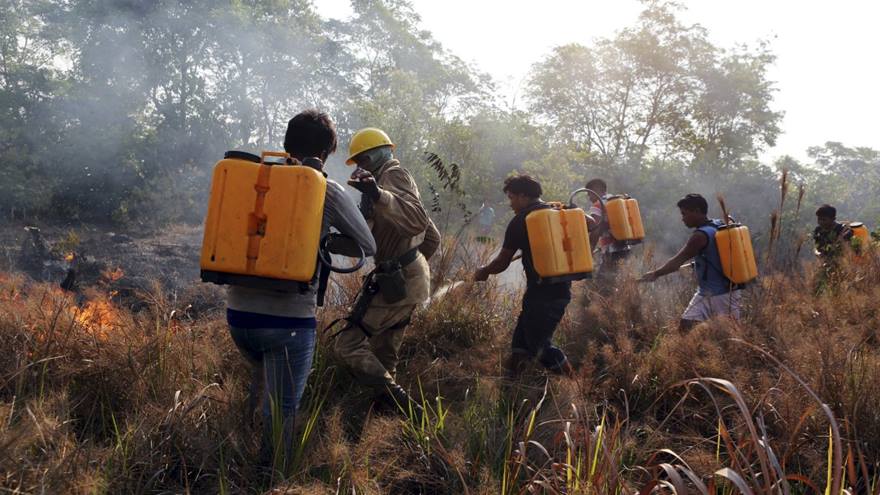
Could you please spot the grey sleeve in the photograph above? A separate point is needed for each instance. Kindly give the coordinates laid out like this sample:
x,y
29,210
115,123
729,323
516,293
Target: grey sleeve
x,y
345,217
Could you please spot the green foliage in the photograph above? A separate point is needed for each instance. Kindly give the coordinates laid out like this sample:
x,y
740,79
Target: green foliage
x,y
116,111
657,89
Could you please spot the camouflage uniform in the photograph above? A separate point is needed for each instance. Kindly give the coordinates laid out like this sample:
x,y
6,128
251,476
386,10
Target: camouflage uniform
x,y
399,223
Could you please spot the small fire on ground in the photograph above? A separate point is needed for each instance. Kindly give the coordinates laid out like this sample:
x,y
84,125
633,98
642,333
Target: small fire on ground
x,y
99,316
113,275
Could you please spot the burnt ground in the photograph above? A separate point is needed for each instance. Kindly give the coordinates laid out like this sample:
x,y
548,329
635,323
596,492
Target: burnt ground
x,y
131,265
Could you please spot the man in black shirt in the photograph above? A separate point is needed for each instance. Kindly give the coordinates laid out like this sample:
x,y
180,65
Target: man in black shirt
x,y
830,236
832,239
543,305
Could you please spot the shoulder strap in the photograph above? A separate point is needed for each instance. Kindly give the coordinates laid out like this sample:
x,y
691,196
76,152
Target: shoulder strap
x,y
707,262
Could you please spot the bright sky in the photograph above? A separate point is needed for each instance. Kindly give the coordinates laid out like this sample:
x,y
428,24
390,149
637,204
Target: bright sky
x,y
827,70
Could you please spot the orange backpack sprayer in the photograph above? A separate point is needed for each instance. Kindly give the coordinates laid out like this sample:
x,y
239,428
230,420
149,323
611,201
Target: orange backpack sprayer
x,y
624,218
861,237
734,244
560,243
263,225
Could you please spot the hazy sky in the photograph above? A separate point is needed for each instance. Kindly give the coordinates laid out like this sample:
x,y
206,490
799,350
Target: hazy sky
x,y
826,72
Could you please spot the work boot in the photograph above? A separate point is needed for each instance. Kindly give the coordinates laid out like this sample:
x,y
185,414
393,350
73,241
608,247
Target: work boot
x,y
395,398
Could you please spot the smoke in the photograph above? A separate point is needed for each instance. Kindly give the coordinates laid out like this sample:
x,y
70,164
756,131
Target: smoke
x,y
144,97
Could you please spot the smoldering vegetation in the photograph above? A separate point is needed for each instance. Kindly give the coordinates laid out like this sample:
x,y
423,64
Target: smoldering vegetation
x,y
113,113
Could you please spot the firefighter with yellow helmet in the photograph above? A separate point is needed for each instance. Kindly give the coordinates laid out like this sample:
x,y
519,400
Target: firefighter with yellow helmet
x,y
371,335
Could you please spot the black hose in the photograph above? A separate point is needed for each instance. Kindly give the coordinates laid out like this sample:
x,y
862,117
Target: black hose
x,y
327,260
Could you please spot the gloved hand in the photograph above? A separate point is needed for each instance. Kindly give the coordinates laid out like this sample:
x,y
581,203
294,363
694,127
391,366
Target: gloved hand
x,y
364,182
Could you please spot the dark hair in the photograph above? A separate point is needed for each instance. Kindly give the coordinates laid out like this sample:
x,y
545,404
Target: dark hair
x,y
693,202
827,211
310,133
523,184
597,185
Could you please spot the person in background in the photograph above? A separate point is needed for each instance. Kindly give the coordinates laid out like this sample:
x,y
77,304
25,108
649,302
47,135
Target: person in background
x,y
716,295
830,236
612,252
831,239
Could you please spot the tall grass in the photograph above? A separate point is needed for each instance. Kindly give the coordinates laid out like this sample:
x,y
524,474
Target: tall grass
x,y
154,401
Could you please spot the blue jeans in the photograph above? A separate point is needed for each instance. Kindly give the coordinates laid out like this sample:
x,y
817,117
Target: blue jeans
x,y
282,359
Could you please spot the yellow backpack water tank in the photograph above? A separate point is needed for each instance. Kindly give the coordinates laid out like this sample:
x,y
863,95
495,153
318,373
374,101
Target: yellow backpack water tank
x,y
737,254
560,244
264,222
625,219
861,237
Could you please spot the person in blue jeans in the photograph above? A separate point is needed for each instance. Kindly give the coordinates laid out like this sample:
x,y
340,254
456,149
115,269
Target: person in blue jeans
x,y
275,330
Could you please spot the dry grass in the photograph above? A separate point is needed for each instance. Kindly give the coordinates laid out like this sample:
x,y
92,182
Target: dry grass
x,y
97,399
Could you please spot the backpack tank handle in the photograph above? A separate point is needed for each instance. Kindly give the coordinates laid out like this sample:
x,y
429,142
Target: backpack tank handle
x,y
275,154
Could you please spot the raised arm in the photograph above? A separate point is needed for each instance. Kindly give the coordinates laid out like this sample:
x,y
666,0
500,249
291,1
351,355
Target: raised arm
x,y
399,200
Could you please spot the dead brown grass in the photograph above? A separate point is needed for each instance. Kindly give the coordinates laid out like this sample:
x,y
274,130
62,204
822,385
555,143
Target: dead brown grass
x,y
153,401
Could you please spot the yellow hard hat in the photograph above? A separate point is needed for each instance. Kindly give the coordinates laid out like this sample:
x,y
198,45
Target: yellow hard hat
x,y
367,139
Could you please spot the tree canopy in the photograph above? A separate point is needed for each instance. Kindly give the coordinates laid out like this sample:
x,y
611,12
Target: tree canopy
x,y
115,111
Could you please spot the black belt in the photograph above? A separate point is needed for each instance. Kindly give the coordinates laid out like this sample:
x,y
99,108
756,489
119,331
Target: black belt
x,y
368,291
403,260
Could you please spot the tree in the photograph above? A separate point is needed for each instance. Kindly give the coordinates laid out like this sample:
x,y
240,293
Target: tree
x,y
659,88
28,86
850,179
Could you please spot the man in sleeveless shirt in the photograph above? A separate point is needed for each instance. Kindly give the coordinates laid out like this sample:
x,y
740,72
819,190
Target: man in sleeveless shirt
x,y
716,295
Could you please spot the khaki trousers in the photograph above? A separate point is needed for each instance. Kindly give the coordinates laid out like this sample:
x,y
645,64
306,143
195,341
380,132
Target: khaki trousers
x,y
373,359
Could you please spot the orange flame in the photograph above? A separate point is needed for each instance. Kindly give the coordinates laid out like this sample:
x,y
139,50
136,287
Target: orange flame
x,y
113,275
98,316
69,257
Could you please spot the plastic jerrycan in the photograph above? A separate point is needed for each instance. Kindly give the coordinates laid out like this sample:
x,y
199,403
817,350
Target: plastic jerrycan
x,y
618,218
263,224
634,217
737,253
861,233
560,244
